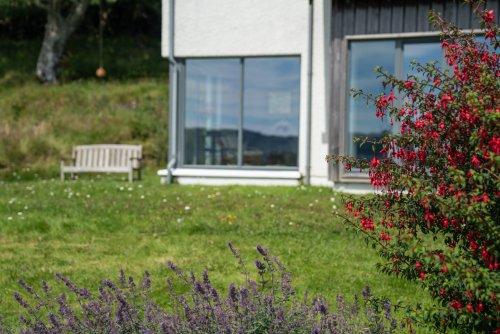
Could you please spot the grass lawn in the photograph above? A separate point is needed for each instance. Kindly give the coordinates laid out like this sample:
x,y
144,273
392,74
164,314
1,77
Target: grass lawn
x,y
90,228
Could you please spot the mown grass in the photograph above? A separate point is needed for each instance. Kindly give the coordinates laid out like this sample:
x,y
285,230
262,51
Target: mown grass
x,y
90,228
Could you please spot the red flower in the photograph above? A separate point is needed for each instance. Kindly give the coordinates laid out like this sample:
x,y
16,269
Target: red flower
x,y
475,161
489,16
409,84
391,96
374,161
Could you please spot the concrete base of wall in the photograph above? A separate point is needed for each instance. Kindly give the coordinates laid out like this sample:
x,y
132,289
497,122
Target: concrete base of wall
x,y
232,177
354,188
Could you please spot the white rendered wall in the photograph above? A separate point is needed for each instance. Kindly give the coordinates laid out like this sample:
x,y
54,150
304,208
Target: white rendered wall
x,y
222,28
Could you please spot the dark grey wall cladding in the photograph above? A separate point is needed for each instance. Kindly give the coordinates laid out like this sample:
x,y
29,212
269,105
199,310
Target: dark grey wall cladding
x,y
359,17
367,17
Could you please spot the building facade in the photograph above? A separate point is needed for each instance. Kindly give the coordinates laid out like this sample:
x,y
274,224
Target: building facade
x,y
259,89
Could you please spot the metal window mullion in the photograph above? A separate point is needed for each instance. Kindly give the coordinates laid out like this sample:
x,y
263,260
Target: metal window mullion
x,y
242,100
181,107
398,72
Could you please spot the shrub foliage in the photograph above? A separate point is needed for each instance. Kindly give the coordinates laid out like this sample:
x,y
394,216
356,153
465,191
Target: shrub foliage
x,y
266,305
435,218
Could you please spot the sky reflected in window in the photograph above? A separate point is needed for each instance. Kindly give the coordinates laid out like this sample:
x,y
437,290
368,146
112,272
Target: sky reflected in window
x,y
364,57
422,53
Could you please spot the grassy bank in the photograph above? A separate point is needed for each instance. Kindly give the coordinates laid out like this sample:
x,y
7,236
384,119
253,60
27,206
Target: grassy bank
x,y
90,228
40,124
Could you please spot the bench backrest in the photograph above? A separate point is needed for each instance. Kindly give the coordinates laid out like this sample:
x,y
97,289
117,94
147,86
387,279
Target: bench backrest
x,y
107,155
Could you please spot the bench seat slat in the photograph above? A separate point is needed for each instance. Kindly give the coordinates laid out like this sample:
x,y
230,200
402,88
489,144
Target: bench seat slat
x,y
74,169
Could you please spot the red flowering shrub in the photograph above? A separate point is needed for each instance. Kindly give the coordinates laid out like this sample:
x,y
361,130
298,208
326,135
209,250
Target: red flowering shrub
x,y
436,215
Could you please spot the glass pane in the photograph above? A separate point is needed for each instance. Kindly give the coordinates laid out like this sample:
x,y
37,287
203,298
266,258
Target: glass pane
x,y
422,53
364,56
212,111
487,43
271,111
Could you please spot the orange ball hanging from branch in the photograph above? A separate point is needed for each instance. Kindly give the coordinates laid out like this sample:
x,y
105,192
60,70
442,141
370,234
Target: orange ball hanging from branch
x,y
100,72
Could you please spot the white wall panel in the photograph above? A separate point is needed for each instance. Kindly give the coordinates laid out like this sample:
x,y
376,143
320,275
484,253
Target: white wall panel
x,y
225,28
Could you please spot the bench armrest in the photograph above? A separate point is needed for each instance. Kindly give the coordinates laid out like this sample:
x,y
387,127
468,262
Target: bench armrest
x,y
136,161
64,159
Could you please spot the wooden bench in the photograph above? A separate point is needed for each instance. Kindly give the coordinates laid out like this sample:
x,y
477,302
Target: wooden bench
x,y
105,158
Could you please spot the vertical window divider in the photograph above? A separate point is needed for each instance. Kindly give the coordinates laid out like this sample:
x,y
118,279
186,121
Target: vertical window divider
x,y
398,66
398,72
181,95
242,100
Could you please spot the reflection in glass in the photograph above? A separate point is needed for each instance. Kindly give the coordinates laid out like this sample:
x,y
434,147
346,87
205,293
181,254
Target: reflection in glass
x,y
212,111
271,111
422,53
364,56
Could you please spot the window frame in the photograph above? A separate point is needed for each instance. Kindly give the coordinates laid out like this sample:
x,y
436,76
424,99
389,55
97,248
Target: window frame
x,y
400,39
182,114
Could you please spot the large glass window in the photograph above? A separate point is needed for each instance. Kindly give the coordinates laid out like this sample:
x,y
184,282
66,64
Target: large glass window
x,y
395,56
242,111
212,108
271,111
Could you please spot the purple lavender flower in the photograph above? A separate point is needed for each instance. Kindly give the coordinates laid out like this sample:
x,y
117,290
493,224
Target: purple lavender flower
x,y
171,265
233,294
206,279
321,308
215,294
45,288
262,251
25,321
26,287
261,266
53,320
387,309
109,284
366,292
233,250
131,283
20,300
199,288
146,282
122,277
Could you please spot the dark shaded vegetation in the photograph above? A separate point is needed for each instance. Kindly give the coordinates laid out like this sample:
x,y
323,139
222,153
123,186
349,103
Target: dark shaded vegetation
x,y
131,42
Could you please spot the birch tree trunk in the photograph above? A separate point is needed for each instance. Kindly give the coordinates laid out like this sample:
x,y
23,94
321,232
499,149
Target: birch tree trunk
x,y
58,29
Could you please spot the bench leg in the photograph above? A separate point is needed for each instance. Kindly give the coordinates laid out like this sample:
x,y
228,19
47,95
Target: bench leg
x,y
62,170
131,175
139,174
